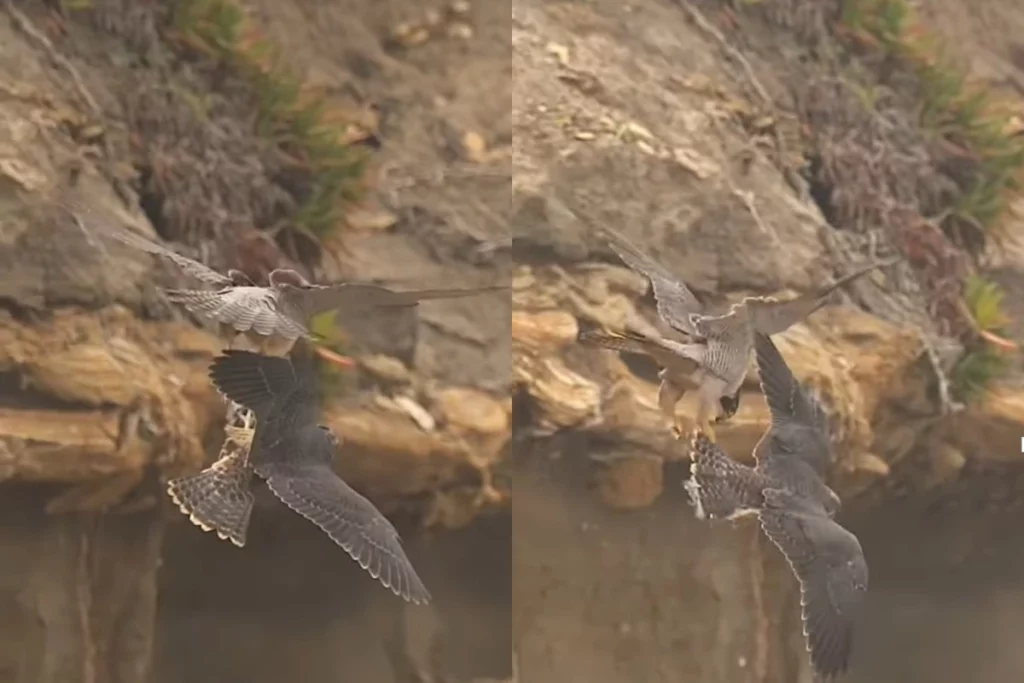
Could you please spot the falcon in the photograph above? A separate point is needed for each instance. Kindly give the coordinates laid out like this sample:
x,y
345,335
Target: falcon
x,y
274,317
787,492
676,374
718,346
282,310
293,454
262,328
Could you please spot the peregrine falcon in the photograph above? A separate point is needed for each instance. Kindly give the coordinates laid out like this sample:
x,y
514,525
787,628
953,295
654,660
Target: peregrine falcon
x,y
274,317
282,310
220,498
719,346
294,455
677,370
795,507
259,326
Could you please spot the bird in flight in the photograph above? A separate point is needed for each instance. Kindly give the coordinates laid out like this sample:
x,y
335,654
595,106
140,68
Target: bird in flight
x,y
718,346
787,491
220,498
677,374
274,317
294,455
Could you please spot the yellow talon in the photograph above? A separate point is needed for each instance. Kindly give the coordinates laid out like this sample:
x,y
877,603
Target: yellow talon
x,y
709,429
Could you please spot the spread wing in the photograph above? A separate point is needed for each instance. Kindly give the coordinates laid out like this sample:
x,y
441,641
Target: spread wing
x,y
243,308
357,297
788,401
771,316
629,342
350,520
280,393
675,301
829,564
799,425
188,266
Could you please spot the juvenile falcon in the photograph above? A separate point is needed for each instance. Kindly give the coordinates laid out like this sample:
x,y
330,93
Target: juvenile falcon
x,y
787,492
720,346
294,455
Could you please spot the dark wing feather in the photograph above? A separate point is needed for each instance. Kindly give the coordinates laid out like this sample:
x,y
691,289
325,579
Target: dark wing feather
x,y
675,301
277,390
350,520
355,297
787,399
188,266
829,563
771,316
799,425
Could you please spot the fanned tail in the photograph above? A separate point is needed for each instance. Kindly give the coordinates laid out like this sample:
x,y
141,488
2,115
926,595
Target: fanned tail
x,y
219,498
719,487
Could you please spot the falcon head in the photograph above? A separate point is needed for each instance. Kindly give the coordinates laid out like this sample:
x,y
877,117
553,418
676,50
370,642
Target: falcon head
x,y
287,276
729,406
239,279
329,434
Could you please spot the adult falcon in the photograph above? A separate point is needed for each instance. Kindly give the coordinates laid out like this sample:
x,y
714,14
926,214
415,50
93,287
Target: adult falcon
x,y
719,347
274,317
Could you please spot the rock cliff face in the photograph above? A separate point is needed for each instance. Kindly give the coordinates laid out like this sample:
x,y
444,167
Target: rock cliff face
x,y
474,413
638,117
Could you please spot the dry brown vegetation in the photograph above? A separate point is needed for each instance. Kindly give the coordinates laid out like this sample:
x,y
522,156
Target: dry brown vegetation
x,y
904,151
233,151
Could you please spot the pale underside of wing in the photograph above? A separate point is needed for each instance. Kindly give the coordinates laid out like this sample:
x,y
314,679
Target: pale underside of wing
x,y
773,316
189,266
350,520
353,297
829,565
245,309
675,301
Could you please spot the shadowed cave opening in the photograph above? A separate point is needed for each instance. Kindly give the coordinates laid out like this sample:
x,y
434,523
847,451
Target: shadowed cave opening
x,y
291,605
652,594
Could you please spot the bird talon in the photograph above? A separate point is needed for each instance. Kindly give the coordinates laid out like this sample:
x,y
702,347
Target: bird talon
x,y
709,431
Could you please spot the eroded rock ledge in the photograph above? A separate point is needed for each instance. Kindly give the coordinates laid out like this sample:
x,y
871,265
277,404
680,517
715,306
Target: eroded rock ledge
x,y
874,377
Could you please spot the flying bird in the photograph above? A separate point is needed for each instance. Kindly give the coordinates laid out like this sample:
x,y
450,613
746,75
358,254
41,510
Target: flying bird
x,y
282,310
237,304
719,346
220,498
786,490
273,318
294,455
677,372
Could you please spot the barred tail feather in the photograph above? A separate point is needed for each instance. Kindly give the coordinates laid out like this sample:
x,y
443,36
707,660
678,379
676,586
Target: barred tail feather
x,y
719,487
616,342
219,498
